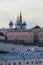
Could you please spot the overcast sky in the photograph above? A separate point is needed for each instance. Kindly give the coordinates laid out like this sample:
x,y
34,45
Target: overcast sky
x,y
32,12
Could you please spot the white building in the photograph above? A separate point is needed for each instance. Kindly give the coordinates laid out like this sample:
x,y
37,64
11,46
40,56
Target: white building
x,y
37,34
34,35
23,35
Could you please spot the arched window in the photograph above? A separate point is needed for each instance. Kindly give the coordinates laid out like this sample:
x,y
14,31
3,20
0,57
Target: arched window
x,y
32,62
19,63
14,63
40,61
9,64
27,62
36,62
1,64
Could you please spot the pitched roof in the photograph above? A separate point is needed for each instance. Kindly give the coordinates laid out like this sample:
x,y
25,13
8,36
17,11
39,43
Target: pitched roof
x,y
37,26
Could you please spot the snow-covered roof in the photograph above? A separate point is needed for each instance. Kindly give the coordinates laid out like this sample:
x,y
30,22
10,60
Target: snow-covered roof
x,y
20,56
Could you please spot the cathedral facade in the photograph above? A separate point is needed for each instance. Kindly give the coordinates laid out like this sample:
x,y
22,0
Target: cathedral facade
x,y
20,33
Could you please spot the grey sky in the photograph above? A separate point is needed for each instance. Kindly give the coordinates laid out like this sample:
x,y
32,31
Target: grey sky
x,y
32,11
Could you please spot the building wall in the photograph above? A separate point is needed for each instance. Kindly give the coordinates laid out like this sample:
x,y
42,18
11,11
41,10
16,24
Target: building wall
x,y
26,36
34,61
10,27
15,61
2,37
41,36
38,32
29,61
2,62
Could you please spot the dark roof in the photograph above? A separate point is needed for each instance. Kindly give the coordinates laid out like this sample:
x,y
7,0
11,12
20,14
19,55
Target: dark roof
x,y
37,26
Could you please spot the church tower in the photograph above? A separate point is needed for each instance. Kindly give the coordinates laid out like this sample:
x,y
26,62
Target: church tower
x,y
21,20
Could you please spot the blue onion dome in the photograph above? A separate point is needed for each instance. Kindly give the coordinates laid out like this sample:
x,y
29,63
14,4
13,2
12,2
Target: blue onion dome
x,y
24,23
18,23
11,23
